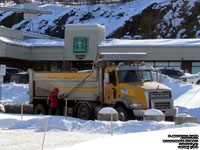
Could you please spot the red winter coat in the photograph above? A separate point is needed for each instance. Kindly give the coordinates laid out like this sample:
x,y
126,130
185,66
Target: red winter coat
x,y
54,99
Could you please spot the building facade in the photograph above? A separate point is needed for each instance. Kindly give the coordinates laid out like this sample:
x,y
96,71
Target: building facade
x,y
81,45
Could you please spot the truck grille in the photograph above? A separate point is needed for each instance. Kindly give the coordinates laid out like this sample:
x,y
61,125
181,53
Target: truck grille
x,y
160,95
162,105
160,99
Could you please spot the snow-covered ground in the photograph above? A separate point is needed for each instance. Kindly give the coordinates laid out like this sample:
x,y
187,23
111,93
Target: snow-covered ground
x,y
71,133
13,93
63,132
145,140
186,96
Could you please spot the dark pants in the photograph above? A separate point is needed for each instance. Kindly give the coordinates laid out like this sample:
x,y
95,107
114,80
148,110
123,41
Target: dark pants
x,y
53,110
60,107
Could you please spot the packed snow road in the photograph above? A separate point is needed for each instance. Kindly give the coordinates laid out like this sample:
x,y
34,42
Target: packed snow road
x,y
31,140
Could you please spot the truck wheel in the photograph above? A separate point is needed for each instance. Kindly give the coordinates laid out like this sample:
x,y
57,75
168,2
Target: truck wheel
x,y
122,113
198,82
84,112
39,109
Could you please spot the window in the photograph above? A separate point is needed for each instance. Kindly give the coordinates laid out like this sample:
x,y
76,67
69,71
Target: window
x,y
195,67
112,78
125,76
150,63
175,65
161,64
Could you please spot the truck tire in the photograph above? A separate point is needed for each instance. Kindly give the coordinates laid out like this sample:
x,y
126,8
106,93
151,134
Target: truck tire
x,y
39,109
84,112
122,113
198,82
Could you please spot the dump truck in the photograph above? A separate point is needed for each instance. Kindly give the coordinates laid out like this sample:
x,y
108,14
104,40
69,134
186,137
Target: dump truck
x,y
119,80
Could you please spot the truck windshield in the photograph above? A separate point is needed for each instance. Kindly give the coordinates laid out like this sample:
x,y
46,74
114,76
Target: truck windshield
x,y
134,76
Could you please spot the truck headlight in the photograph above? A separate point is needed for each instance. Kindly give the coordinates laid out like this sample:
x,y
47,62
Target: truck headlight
x,y
135,105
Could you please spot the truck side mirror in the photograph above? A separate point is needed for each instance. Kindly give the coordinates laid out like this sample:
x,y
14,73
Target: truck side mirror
x,y
106,78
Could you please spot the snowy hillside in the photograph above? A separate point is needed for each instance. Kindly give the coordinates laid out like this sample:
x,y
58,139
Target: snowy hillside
x,y
148,18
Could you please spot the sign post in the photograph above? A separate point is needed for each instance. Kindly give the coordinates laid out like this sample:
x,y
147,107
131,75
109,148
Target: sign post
x,y
2,73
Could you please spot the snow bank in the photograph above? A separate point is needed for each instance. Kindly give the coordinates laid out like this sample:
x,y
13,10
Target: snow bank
x,y
2,109
37,123
153,112
107,110
13,93
186,96
183,115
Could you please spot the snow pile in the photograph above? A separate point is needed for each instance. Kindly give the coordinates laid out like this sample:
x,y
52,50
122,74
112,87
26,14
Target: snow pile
x,y
2,109
37,123
186,96
13,93
107,110
67,131
183,115
153,112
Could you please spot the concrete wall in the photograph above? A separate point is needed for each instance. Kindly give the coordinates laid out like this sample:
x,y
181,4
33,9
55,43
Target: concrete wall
x,y
94,35
47,53
17,52
20,35
160,53
11,33
2,49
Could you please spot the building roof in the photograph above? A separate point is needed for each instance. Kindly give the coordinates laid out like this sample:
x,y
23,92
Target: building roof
x,y
34,42
150,43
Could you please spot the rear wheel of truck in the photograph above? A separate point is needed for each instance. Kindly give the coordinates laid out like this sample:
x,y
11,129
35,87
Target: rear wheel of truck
x,y
122,113
39,109
84,112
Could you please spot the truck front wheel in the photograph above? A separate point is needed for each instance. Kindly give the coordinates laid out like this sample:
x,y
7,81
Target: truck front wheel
x,y
84,112
39,109
122,113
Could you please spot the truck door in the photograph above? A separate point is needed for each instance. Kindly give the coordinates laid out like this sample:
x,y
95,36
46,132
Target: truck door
x,y
111,90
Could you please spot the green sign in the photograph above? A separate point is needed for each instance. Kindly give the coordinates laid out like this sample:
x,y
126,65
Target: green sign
x,y
80,45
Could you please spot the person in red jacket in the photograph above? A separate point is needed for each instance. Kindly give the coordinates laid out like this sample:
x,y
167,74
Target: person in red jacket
x,y
54,101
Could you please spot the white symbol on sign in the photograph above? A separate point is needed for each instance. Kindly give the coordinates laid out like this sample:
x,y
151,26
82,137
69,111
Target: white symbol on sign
x,y
80,43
